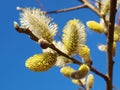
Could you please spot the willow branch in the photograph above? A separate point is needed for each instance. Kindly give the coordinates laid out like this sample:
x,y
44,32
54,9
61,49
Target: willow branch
x,y
94,10
82,85
91,7
33,37
110,43
66,9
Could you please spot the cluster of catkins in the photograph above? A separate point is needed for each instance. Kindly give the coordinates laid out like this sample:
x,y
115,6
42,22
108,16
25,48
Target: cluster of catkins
x,y
101,27
73,43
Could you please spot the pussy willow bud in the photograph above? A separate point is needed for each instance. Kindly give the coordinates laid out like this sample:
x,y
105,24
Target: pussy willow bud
x,y
84,53
90,81
103,47
73,35
66,71
81,72
117,33
96,27
41,62
114,48
38,23
105,7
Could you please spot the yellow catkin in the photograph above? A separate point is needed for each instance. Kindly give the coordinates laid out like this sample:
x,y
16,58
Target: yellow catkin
x,y
66,71
103,47
84,53
41,62
81,72
73,34
96,27
38,23
90,81
114,48
117,33
105,7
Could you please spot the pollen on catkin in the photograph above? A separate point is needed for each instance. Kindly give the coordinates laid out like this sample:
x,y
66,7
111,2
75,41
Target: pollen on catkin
x,y
73,34
41,62
62,61
96,27
66,71
114,48
81,72
38,23
90,81
117,33
103,47
84,53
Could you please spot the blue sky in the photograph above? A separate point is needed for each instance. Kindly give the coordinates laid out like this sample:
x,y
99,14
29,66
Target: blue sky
x,y
15,48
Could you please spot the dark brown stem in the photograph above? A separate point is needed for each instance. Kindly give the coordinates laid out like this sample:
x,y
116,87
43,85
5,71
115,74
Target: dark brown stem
x,y
81,84
110,43
99,73
66,9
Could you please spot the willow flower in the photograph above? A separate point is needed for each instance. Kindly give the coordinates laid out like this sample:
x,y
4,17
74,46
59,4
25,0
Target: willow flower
x,y
41,62
105,7
66,71
62,61
73,35
84,53
96,27
81,72
117,33
38,23
90,81
114,48
103,47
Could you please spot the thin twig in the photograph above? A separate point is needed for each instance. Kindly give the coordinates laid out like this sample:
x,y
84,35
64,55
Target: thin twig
x,y
67,9
110,43
94,9
91,7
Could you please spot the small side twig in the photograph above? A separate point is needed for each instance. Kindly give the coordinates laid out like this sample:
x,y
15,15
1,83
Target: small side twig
x,y
91,7
66,9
